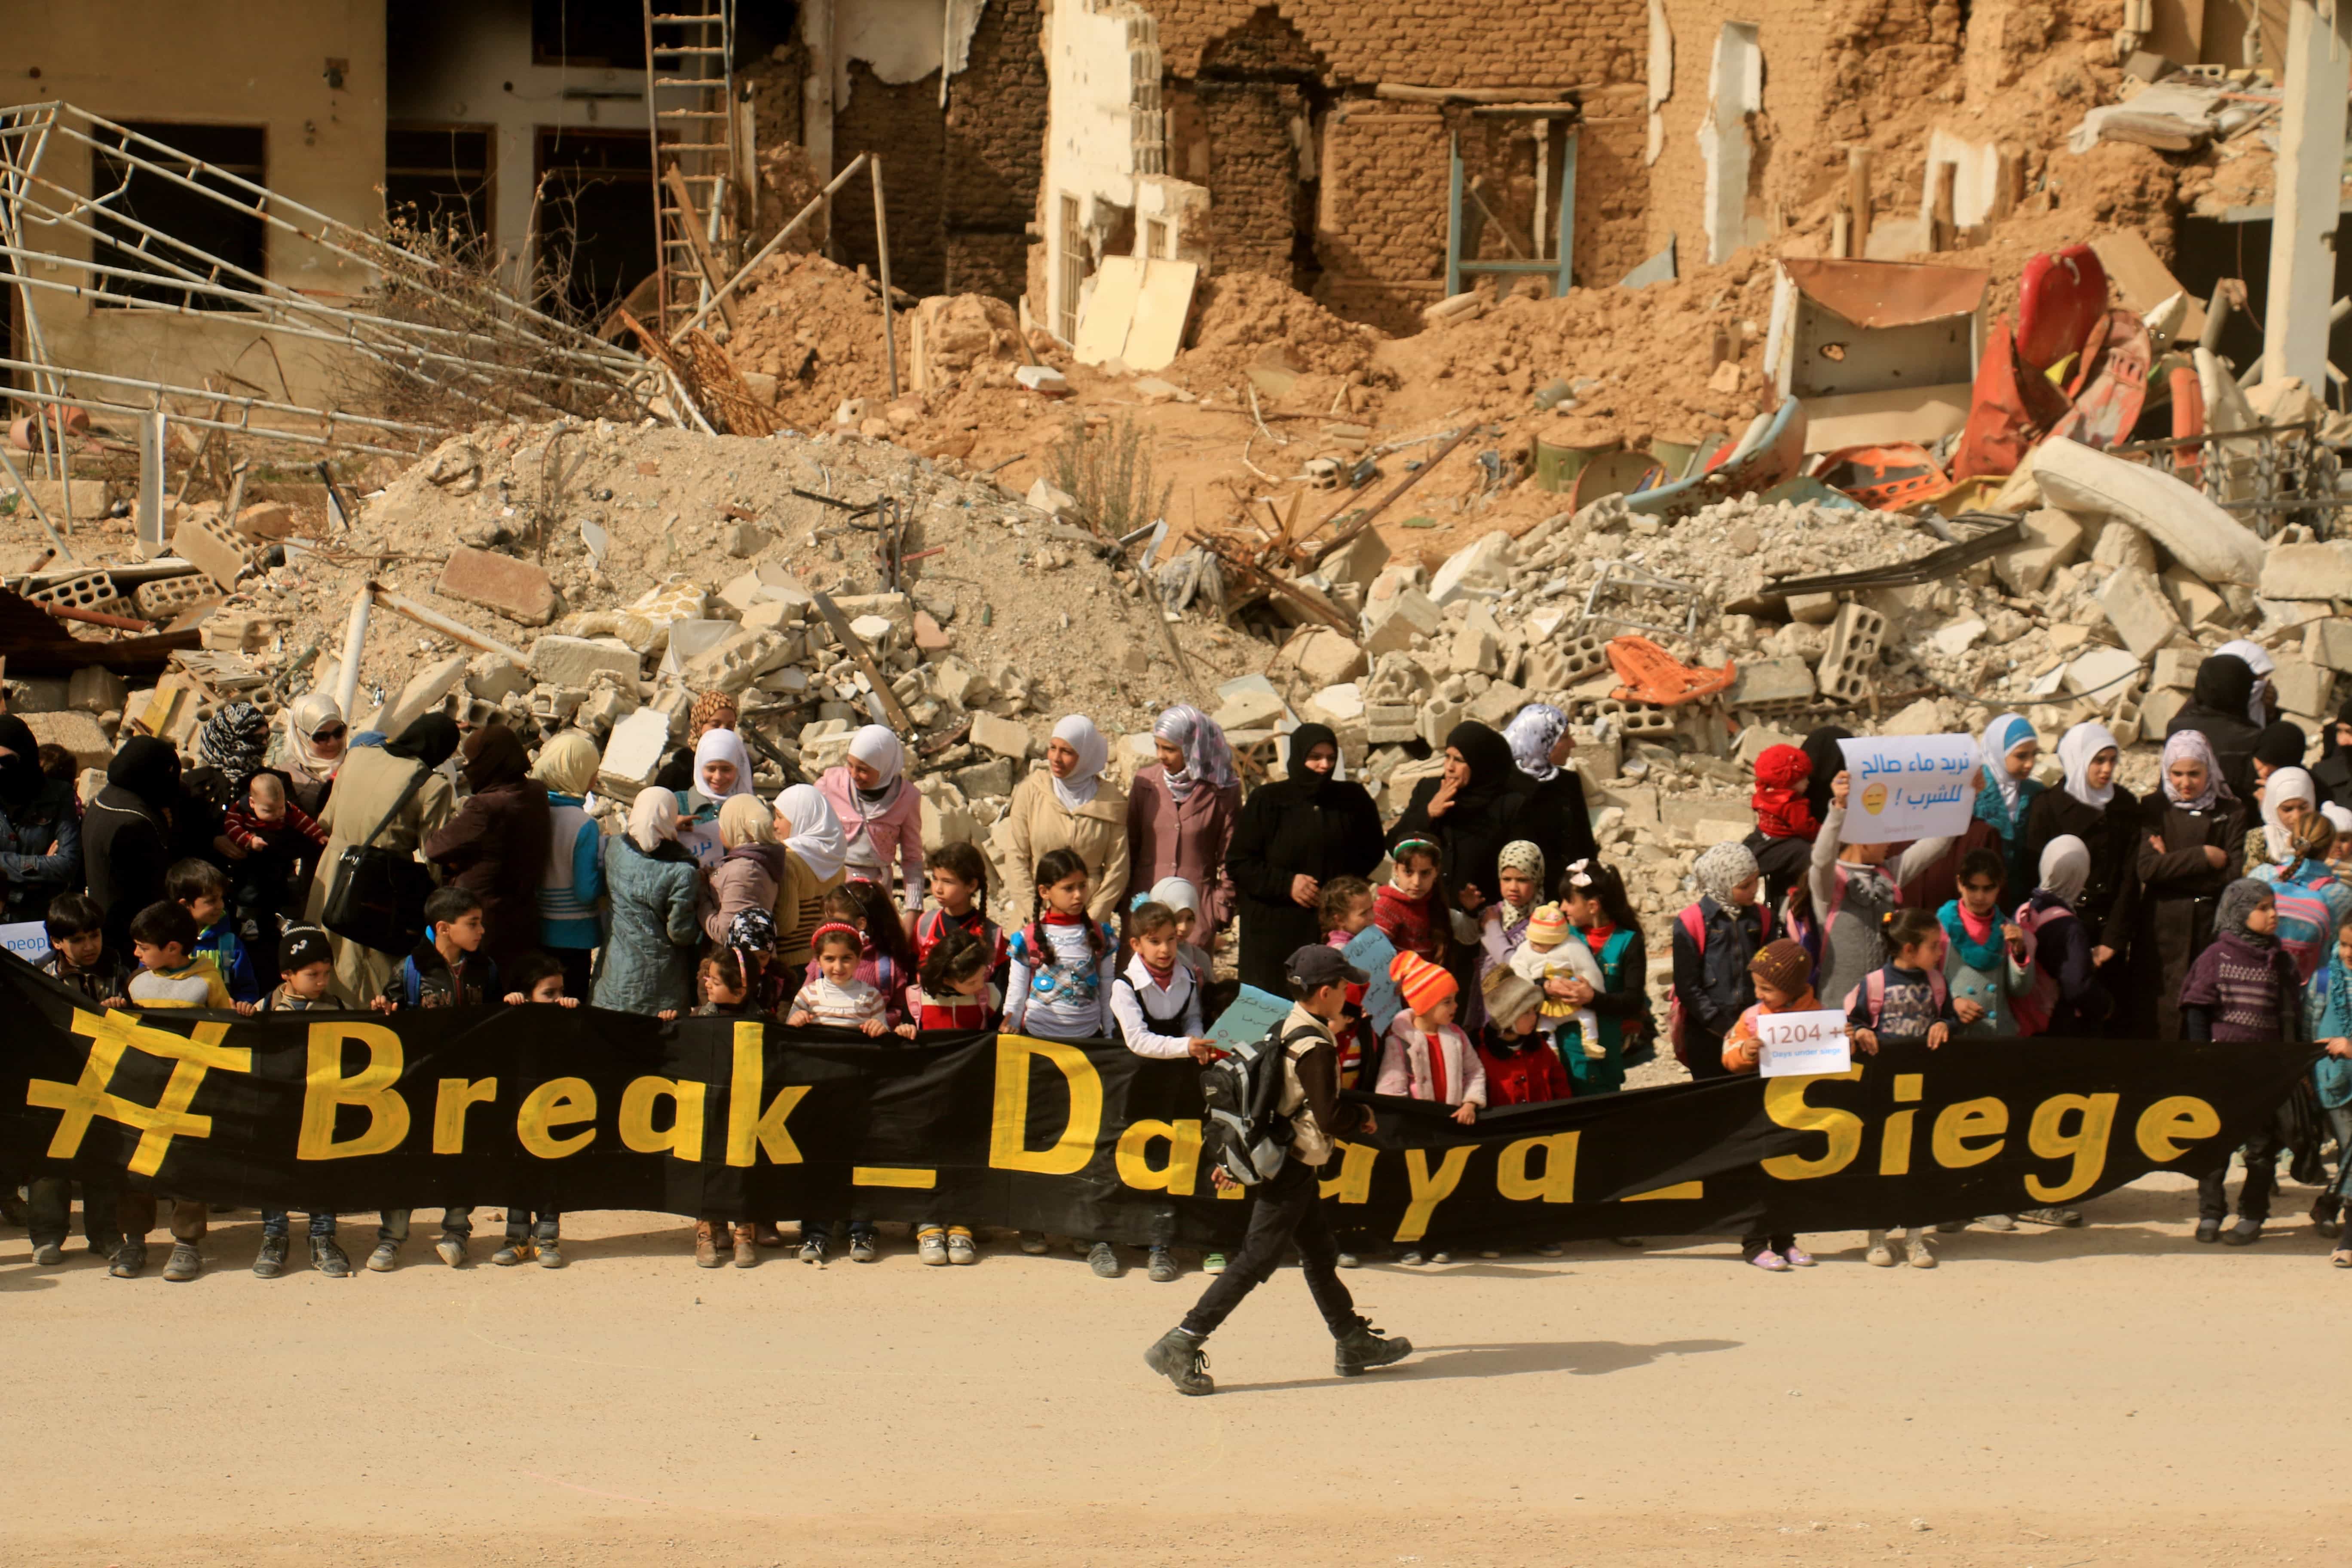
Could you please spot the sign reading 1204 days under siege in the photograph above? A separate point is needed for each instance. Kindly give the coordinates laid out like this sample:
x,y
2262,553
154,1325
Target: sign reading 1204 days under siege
x,y
575,1109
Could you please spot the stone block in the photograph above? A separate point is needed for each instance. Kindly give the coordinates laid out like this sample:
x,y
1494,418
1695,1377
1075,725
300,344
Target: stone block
x,y
1251,710
1339,704
500,583
1762,682
1392,724
873,631
1000,737
1359,561
1813,609
608,705
77,731
265,519
2052,539
93,689
634,753
743,540
1479,570
2159,707
896,608
2177,666
2307,570
2122,544
423,693
2136,606
1324,658
2104,672
1390,623
88,497
235,631
1596,760
676,705
2304,687
2329,644
1495,706
577,661
983,781
493,677
2197,604
1476,650
1756,739
1924,717
1957,638
1438,715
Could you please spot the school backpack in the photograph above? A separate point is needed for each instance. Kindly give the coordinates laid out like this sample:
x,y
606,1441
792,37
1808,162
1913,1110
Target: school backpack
x,y
1244,1134
2032,1011
2306,925
1694,926
1874,990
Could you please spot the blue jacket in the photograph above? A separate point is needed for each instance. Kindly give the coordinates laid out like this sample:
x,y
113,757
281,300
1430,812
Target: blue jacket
x,y
33,875
648,962
229,955
573,883
2328,1009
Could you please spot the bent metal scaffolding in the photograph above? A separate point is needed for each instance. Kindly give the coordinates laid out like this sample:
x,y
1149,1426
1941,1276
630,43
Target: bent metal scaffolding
x,y
489,350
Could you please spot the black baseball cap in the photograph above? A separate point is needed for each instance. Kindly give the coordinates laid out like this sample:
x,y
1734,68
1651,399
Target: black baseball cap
x,y
302,946
1316,965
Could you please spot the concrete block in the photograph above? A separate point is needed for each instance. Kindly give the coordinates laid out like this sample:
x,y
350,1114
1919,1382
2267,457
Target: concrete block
x,y
2121,544
212,547
265,519
2314,570
1855,638
1251,710
1000,737
1494,706
493,677
1479,570
1924,717
1392,724
2052,540
93,689
1359,561
2177,666
1559,662
164,597
1390,623
1597,761
2103,671
1953,640
1438,715
2329,644
235,631
1756,739
676,705
2159,709
634,753
500,583
1475,650
577,661
77,731
1813,609
983,781
734,664
2304,687
1763,682
608,705
1323,657
1335,705
2136,606
88,497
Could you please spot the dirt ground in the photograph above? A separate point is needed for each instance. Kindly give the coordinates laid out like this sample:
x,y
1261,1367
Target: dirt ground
x,y
2115,1395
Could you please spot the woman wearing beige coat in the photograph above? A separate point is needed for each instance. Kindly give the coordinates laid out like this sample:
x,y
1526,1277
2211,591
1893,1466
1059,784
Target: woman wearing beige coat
x,y
1068,806
370,782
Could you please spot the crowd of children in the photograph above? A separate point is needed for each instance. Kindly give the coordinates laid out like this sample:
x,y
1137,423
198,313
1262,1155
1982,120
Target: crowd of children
x,y
1495,980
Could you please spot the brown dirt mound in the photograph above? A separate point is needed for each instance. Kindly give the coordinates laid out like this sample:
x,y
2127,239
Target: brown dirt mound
x,y
1239,314
816,327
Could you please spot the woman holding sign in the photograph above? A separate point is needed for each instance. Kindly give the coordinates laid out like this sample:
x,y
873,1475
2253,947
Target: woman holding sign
x,y
2189,840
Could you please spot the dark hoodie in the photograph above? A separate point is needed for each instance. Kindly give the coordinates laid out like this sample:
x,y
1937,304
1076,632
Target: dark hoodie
x,y
40,827
127,833
497,844
2216,709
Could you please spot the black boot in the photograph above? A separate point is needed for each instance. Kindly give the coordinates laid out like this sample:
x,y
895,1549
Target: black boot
x,y
270,1262
1364,1348
329,1258
2327,1214
1177,1357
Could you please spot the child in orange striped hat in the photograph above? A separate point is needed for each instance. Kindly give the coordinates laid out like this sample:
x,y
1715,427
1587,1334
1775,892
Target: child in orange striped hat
x,y
1425,1055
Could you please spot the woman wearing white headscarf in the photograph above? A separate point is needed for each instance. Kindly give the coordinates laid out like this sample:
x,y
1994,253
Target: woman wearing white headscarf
x,y
881,815
1552,816
1069,805
816,852
2192,832
722,768
2288,797
316,739
647,963
2092,806
1182,809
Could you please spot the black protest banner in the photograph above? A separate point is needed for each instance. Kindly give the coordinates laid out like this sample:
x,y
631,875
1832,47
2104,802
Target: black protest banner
x,y
574,1109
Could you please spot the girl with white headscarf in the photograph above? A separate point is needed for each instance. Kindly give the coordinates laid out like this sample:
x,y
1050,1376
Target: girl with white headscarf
x,y
2288,797
2005,795
815,851
881,815
1069,805
2192,835
1181,810
649,886
315,740
721,768
2090,806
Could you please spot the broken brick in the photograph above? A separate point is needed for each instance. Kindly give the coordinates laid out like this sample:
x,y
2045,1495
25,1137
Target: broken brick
x,y
515,589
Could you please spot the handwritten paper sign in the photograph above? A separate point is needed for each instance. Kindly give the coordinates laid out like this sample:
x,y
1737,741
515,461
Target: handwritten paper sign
x,y
28,939
1370,950
1802,1044
1902,787
1254,1012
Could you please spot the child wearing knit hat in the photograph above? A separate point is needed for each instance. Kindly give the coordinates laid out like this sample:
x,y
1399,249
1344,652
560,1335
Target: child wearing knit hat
x,y
1548,954
1783,974
1425,1055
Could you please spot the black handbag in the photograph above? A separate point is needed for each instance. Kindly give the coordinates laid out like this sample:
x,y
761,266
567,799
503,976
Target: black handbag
x,y
377,897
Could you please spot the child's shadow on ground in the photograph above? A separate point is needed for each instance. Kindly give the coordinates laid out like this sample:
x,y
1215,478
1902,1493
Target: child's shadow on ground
x,y
1587,1358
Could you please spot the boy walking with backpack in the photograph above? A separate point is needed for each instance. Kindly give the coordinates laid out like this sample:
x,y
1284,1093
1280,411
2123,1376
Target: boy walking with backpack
x,y
1288,1209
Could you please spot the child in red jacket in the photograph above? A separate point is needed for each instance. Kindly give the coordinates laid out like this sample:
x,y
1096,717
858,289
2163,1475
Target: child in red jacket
x,y
1521,1066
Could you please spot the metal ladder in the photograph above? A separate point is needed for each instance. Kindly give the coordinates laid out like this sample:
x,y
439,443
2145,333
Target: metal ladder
x,y
690,105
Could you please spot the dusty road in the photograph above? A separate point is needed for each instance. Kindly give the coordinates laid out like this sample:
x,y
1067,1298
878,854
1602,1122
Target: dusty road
x,y
2115,1395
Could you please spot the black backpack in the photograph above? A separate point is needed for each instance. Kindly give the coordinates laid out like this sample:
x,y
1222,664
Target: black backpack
x,y
1244,1134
